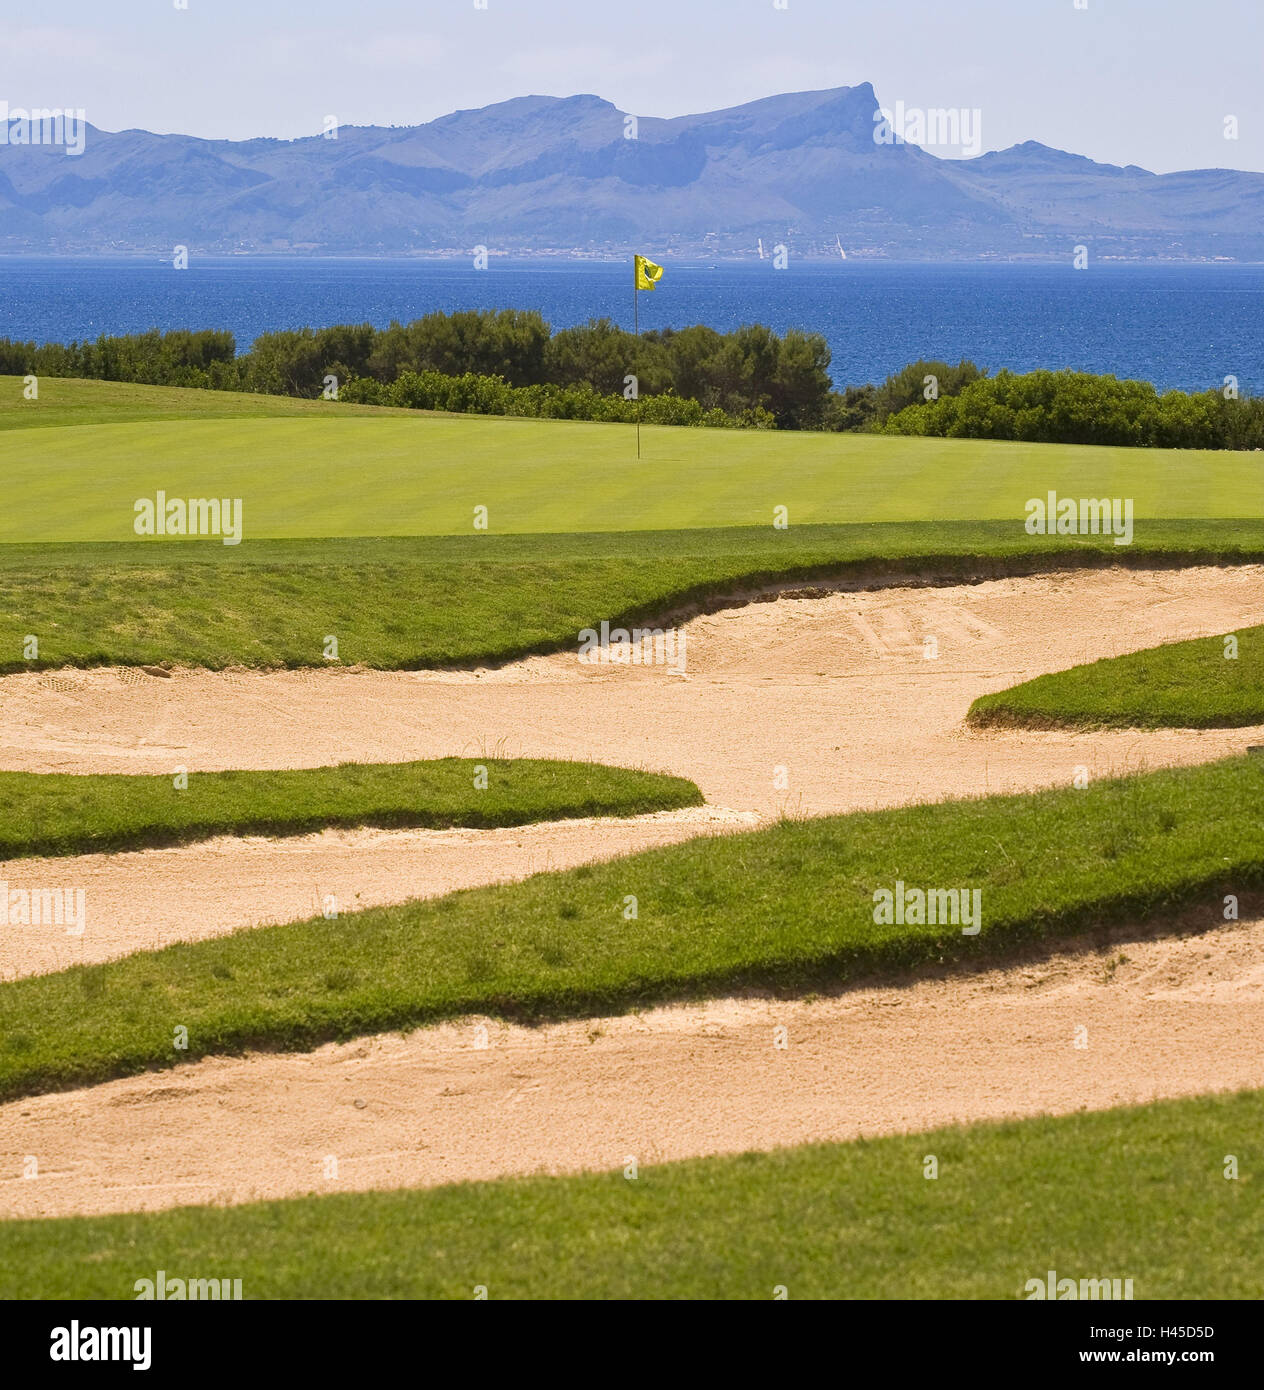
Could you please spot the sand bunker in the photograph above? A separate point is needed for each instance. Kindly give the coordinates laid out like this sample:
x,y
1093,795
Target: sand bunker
x,y
480,1099
799,706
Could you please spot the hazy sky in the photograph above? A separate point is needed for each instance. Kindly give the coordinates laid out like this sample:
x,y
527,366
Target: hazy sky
x,y
1145,82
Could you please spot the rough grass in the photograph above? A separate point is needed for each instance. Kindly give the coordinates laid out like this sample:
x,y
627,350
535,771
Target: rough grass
x,y
787,907
60,813
1209,683
1131,1194
435,601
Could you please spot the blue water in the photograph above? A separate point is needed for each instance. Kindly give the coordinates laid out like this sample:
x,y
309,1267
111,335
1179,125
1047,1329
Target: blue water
x,y
1177,326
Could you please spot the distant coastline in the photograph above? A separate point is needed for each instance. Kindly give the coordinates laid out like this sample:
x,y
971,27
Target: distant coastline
x,y
578,177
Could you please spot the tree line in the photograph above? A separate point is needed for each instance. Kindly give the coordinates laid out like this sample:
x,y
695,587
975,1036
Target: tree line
x,y
510,362
749,376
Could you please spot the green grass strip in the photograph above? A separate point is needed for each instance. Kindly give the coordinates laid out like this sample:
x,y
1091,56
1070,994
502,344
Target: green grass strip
x,y
1208,683
787,906
73,401
1136,1194
59,813
398,604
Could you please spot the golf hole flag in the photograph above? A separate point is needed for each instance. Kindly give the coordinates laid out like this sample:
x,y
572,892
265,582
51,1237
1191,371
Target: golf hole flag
x,y
647,273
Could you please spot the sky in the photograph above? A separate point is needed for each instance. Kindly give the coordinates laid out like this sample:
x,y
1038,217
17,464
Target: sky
x,y
1148,82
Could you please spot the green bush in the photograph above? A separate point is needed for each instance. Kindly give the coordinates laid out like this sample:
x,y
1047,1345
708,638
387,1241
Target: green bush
x,y
1079,408
492,395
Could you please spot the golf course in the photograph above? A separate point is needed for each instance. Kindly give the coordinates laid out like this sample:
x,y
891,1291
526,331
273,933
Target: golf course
x,y
406,923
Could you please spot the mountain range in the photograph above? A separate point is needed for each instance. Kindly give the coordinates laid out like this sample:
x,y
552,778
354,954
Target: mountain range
x,y
559,174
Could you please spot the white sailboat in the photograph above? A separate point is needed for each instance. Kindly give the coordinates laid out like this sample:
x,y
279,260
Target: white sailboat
x,y
761,248
841,252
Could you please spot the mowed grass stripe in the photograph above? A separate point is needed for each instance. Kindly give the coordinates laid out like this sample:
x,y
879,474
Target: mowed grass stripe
x,y
1208,683
435,601
789,907
1136,1194
60,813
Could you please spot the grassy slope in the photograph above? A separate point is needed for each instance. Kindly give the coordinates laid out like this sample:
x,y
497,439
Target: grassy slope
x,y
430,601
1137,1193
1189,685
67,401
338,472
57,813
787,906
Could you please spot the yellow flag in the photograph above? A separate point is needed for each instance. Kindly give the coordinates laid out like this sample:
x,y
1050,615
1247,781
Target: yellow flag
x,y
647,273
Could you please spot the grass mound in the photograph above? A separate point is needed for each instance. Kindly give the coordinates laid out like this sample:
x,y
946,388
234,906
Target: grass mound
x,y
1208,683
59,813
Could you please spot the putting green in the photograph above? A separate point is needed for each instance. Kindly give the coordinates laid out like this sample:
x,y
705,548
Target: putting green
x,y
392,475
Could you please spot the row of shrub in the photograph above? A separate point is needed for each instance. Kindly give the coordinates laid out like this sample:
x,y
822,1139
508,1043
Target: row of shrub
x,y
1078,408
180,358
492,395
508,362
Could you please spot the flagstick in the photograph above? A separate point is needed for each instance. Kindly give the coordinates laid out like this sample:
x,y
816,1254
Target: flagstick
x,y
636,329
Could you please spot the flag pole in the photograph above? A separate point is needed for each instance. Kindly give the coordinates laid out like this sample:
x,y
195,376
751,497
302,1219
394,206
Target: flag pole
x,y
636,330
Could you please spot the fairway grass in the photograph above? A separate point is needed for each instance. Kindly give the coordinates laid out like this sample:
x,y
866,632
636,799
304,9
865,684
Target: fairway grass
x,y
406,603
1135,1193
60,813
319,469
1208,683
788,907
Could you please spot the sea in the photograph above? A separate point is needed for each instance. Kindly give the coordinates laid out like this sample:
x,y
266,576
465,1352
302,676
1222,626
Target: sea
x,y
1177,325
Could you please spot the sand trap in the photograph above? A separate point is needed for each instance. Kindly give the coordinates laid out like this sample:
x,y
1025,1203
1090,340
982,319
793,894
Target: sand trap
x,y
830,696
1164,1017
